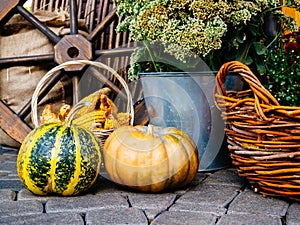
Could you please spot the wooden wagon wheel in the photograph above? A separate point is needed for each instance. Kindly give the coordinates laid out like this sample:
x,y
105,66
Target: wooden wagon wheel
x,y
72,46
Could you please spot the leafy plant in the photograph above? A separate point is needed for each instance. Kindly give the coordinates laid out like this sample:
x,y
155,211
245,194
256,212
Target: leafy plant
x,y
215,30
283,70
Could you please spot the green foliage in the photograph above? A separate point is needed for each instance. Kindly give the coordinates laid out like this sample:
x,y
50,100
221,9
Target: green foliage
x,y
151,56
283,70
215,30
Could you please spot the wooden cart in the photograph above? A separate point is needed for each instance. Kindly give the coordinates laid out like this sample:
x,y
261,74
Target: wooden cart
x,y
101,20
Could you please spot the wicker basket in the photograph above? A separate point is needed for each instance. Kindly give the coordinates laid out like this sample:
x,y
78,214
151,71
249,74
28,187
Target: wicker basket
x,y
263,136
102,134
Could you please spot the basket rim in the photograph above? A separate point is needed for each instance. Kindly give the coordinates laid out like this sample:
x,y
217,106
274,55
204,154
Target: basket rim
x,y
50,73
262,98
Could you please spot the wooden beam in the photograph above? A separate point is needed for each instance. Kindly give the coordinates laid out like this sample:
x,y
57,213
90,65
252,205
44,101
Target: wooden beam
x,y
14,126
6,6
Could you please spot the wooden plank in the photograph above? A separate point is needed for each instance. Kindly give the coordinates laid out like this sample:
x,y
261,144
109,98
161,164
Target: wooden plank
x,y
15,127
6,6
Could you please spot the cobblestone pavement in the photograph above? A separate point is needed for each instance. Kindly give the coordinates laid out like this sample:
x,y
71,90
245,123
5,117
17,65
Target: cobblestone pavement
x,y
220,198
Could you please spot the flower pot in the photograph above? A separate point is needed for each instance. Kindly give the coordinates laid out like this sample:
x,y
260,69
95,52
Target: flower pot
x,y
185,101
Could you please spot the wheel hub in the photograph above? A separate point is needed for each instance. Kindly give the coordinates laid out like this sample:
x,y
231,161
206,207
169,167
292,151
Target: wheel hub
x,y
73,47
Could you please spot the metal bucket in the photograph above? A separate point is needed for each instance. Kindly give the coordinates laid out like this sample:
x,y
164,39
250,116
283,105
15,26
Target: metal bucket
x,y
185,100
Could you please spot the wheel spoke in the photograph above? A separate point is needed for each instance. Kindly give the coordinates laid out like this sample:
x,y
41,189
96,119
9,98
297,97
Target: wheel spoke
x,y
26,60
73,17
35,21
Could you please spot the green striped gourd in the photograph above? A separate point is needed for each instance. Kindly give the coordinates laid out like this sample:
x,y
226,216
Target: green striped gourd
x,y
59,158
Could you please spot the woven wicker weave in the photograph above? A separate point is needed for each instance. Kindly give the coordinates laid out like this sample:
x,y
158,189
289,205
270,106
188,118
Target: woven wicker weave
x,y
263,136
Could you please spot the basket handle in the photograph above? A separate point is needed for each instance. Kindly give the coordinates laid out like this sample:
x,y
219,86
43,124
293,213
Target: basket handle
x,y
261,95
100,65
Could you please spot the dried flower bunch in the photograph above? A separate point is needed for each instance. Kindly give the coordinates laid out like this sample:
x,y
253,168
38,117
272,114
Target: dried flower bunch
x,y
215,30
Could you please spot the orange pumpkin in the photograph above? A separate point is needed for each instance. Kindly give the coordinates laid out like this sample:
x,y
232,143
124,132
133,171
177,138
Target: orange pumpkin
x,y
150,158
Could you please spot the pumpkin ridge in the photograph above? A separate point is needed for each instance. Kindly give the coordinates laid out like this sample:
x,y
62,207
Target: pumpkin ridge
x,y
54,158
192,156
149,186
74,179
107,151
153,184
98,148
27,158
168,164
175,171
22,159
185,180
120,146
87,161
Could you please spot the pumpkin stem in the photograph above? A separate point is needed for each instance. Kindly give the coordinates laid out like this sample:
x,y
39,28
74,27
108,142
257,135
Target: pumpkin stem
x,y
74,110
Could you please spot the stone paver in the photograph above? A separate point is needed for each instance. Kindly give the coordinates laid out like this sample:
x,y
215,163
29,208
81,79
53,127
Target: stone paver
x,y
44,219
184,218
210,194
7,153
15,208
213,198
152,204
195,207
226,177
85,203
119,216
8,166
24,194
151,201
250,202
293,214
7,195
13,184
248,219
8,157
